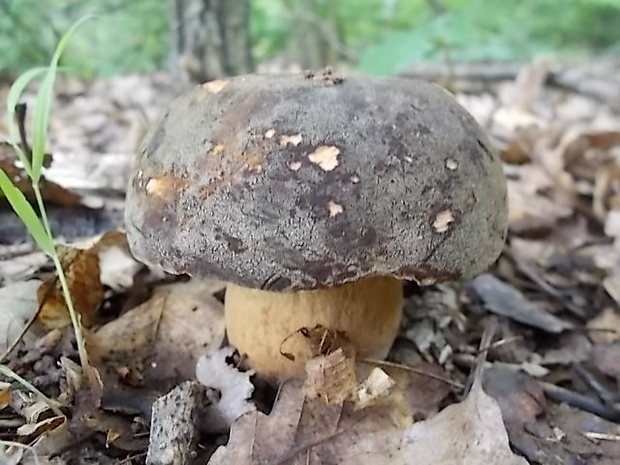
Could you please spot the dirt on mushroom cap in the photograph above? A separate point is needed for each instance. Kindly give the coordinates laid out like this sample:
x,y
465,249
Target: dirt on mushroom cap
x,y
289,182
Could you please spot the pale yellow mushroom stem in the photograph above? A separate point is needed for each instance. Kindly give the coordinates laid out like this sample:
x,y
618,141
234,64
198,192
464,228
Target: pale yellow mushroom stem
x,y
263,325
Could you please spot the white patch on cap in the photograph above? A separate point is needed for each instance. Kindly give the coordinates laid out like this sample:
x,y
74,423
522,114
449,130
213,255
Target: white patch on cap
x,y
294,165
215,86
334,208
156,187
452,164
443,220
295,140
326,156
269,134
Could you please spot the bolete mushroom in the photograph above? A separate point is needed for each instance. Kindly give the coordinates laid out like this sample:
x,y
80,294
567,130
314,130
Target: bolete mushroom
x,y
313,196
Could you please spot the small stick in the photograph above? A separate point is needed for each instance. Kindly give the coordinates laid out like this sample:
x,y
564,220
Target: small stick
x,y
417,371
580,401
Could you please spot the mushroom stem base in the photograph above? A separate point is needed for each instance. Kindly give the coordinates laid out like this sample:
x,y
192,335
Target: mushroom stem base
x,y
263,325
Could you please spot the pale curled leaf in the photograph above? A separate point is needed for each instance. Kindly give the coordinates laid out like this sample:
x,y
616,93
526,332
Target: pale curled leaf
x,y
18,304
234,387
378,385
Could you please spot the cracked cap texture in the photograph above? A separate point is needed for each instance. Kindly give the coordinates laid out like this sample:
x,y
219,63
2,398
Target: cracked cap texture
x,y
301,181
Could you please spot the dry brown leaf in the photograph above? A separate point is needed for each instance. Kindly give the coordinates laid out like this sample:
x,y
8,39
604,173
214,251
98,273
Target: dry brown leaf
x,y
5,395
81,268
31,431
520,148
52,193
234,387
302,431
164,337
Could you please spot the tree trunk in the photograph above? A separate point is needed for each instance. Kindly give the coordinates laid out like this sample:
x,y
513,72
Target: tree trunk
x,y
210,38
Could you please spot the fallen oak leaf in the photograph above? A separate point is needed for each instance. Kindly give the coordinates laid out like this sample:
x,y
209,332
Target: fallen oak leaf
x,y
309,431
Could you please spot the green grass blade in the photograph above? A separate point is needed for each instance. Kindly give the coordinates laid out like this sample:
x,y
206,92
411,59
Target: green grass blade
x,y
53,405
27,214
44,104
15,93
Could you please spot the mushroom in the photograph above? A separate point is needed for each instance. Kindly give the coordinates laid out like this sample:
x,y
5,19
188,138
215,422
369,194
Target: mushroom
x,y
313,197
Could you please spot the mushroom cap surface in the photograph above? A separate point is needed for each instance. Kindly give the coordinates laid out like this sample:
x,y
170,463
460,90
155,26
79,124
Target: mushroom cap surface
x,y
298,181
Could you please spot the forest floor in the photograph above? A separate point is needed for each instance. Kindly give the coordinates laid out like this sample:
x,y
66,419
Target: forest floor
x,y
542,326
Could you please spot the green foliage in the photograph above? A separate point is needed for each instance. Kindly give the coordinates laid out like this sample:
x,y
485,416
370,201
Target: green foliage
x,y
489,30
128,36
386,35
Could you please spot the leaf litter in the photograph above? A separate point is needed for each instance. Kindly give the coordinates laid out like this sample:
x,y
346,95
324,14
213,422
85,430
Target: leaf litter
x,y
550,386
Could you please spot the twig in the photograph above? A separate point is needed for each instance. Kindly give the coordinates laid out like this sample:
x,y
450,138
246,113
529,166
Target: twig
x,y
6,371
131,457
21,335
501,342
580,401
417,371
485,343
603,392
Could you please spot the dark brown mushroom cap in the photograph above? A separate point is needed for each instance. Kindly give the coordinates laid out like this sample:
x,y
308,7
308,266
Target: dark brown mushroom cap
x,y
297,182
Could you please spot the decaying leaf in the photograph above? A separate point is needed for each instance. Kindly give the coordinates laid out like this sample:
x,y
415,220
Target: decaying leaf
x,y
331,377
309,431
234,388
164,337
521,401
30,431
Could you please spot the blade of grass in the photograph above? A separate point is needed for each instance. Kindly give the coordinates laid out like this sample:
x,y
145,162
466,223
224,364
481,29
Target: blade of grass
x,y
15,93
44,104
6,371
26,213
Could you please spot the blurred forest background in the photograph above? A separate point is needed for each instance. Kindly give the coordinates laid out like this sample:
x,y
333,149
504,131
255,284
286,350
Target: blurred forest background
x,y
373,36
